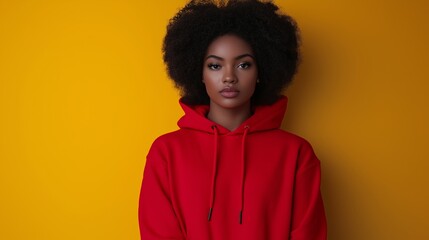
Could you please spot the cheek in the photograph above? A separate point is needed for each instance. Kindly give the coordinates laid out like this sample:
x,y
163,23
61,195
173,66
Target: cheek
x,y
211,75
251,82
205,75
212,78
249,78
210,81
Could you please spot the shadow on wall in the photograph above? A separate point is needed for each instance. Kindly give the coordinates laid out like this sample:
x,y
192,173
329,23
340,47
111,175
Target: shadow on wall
x,y
310,95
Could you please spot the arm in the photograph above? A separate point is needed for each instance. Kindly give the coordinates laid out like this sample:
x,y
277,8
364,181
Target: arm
x,y
157,218
309,221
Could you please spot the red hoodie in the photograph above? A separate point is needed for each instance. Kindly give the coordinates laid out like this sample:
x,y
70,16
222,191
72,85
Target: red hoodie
x,y
257,182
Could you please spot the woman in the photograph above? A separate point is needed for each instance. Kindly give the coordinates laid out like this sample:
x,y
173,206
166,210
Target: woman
x,y
229,172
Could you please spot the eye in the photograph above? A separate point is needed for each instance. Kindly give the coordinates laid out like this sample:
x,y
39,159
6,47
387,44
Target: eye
x,y
244,65
214,66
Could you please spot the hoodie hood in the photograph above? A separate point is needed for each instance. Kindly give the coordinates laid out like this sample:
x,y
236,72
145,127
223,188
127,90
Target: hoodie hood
x,y
264,118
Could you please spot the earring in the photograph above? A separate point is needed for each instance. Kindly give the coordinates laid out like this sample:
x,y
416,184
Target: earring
x,y
257,80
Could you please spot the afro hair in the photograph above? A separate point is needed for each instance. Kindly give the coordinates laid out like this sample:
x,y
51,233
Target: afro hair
x,y
273,36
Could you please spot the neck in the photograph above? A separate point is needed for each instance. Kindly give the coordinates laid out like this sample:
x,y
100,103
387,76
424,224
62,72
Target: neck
x,y
229,118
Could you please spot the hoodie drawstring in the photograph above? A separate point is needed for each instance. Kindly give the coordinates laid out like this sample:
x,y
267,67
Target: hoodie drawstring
x,y
214,171
243,170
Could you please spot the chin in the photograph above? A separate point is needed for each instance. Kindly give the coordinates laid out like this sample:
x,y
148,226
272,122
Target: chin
x,y
232,103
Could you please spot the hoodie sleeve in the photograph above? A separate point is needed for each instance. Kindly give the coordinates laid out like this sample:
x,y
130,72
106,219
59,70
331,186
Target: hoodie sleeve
x,y
157,218
309,221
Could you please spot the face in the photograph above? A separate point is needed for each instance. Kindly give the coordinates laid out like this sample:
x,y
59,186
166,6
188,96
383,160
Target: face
x,y
230,72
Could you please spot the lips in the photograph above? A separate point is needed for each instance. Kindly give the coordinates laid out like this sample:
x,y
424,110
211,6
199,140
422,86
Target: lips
x,y
229,92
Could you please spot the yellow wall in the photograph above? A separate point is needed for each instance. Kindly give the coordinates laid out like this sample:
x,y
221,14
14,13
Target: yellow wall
x,y
83,93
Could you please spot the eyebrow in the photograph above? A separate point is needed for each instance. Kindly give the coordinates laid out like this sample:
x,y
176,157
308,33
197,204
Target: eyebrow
x,y
236,58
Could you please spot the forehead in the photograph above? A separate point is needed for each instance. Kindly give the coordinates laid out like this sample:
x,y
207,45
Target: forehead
x,y
229,46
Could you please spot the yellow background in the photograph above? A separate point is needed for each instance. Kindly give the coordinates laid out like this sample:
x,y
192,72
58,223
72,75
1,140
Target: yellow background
x,y
83,93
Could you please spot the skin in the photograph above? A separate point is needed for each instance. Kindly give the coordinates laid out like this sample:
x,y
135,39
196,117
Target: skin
x,y
230,75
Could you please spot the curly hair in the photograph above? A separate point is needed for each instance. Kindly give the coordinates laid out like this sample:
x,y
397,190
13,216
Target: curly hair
x,y
273,36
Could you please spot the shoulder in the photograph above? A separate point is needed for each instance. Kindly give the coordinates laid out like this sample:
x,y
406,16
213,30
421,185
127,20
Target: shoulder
x,y
303,145
167,139
169,146
286,138
171,141
293,143
306,156
159,150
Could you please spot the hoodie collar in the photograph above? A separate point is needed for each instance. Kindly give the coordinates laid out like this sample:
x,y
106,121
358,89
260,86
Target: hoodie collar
x,y
264,118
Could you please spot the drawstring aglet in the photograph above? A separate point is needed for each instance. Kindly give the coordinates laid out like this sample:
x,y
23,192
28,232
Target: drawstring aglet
x,y
210,214
241,217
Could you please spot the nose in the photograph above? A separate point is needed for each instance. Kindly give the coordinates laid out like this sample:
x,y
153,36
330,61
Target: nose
x,y
229,76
